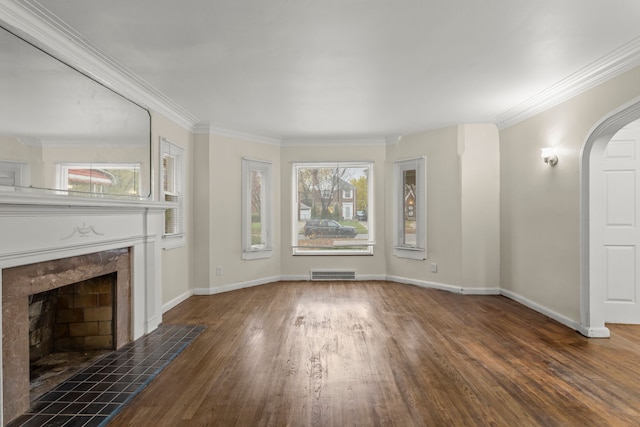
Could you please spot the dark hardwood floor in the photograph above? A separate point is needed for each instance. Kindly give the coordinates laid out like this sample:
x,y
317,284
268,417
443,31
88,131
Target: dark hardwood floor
x,y
383,353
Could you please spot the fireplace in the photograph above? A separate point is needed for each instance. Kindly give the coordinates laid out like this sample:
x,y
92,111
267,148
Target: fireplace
x,y
72,318
80,303
50,241
69,327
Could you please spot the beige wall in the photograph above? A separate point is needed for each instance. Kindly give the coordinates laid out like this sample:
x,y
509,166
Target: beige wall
x,y
462,207
540,242
443,206
218,189
479,151
177,263
299,266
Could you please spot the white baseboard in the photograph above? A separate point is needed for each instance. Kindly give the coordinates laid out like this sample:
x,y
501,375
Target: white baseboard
x,y
444,287
543,310
368,277
482,291
235,286
298,278
177,300
426,284
594,332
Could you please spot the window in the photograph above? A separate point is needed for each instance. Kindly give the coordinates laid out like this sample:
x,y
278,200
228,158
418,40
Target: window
x,y
99,179
13,174
324,217
411,209
172,161
256,209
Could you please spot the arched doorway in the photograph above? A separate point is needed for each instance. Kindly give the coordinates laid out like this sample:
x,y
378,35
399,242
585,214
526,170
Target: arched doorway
x,y
592,160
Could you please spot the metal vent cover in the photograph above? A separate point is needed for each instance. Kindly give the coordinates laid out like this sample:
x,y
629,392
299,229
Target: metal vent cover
x,y
333,275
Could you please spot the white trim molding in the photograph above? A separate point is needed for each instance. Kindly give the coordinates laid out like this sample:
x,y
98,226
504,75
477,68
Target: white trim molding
x,y
210,129
334,142
609,66
235,286
543,310
42,28
177,301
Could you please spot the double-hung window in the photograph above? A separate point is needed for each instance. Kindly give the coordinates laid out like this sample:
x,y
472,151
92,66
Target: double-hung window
x,y
325,196
410,240
256,209
172,161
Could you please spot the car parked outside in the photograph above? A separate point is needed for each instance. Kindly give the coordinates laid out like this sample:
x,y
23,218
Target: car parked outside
x,y
327,228
361,215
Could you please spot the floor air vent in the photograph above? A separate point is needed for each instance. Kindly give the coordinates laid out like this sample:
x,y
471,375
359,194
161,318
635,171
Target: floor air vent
x,y
333,275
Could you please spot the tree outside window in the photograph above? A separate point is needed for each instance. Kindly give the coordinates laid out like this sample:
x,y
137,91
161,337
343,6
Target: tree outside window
x,y
325,201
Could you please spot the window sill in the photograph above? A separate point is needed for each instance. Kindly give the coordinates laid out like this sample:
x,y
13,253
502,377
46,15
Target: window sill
x,y
417,254
259,254
173,241
333,253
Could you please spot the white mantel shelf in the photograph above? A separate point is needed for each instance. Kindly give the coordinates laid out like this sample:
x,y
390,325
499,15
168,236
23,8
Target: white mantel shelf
x,y
14,198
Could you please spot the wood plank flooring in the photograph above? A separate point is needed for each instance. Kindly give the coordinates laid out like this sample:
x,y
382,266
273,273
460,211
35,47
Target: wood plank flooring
x,y
386,354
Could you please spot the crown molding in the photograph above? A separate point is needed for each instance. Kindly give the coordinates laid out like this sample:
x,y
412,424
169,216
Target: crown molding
x,y
39,26
335,142
609,66
210,129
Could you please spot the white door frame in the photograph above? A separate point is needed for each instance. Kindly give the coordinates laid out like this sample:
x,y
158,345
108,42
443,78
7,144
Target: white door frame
x,y
592,153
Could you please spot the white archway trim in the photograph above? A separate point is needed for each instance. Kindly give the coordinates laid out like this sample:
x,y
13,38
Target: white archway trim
x,y
591,309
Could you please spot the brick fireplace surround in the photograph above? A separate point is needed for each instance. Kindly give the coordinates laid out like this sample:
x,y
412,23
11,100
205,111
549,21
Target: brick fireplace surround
x,y
49,241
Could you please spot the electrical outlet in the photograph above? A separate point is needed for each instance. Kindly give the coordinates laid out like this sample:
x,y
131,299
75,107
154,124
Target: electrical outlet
x,y
219,271
434,267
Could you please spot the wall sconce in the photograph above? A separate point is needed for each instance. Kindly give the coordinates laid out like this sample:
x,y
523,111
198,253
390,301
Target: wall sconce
x,y
549,156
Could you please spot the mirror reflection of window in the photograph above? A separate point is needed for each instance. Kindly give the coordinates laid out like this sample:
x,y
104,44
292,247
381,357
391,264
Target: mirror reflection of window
x,y
13,175
99,180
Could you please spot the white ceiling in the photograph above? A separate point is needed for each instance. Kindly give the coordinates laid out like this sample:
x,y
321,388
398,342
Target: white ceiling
x,y
352,68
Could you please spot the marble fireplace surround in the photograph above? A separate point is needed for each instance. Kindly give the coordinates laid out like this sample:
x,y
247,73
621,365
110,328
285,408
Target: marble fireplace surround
x,y
18,283
41,229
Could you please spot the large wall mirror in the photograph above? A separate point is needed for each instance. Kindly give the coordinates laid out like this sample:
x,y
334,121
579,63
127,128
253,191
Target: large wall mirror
x,y
63,133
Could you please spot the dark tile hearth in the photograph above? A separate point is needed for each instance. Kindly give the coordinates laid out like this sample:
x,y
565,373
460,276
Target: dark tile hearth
x,y
98,392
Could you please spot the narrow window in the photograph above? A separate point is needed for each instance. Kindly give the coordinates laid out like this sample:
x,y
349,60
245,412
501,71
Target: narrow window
x,y
172,161
256,209
332,206
410,209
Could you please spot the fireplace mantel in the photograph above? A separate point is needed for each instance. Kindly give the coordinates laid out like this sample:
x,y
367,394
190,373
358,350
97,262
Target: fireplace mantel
x,y
36,228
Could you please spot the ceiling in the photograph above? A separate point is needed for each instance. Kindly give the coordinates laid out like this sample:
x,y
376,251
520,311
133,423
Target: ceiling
x,y
328,69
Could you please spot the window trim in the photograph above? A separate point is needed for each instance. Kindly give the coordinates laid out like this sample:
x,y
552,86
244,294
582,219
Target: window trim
x,y
369,244
249,251
62,177
419,250
177,239
21,174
